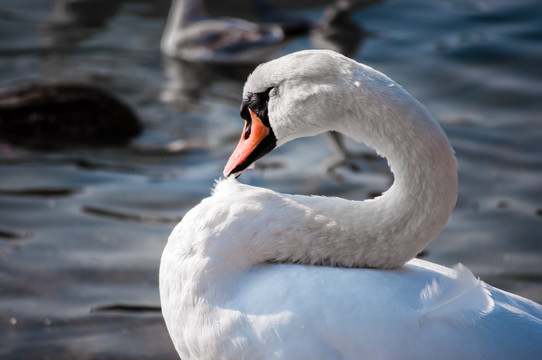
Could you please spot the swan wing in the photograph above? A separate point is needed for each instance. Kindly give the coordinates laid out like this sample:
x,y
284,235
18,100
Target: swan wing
x,y
417,311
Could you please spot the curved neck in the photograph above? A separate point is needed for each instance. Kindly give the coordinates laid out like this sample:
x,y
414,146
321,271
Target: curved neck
x,y
396,226
182,13
387,231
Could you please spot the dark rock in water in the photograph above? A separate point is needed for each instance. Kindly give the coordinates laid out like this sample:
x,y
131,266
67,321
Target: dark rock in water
x,y
60,114
7,234
127,308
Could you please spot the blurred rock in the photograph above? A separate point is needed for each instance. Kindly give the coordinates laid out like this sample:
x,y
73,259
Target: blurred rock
x,y
49,115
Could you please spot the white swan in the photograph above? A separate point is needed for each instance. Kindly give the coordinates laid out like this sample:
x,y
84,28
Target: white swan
x,y
236,280
191,35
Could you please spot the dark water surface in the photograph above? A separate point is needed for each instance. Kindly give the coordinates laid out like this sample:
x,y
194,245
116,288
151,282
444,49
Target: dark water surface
x,y
82,229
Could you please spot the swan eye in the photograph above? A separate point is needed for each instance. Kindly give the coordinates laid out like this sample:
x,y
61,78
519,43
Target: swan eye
x,y
257,102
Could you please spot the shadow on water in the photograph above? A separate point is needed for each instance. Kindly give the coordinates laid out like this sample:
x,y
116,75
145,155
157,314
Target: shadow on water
x,y
82,227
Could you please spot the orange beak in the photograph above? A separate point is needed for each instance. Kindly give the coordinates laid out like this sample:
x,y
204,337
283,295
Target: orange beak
x,y
251,146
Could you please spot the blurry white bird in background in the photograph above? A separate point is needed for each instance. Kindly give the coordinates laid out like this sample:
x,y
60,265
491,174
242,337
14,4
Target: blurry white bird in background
x,y
191,35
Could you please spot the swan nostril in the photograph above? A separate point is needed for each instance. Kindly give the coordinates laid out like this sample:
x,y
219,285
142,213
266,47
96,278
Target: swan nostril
x,y
248,128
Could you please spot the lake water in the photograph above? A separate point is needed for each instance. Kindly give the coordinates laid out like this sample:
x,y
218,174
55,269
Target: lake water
x,y
82,229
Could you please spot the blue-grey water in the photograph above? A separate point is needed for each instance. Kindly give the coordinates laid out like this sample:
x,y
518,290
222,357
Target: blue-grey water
x,y
82,229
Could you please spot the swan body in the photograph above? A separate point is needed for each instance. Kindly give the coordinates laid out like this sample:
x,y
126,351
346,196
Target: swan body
x,y
191,35
241,276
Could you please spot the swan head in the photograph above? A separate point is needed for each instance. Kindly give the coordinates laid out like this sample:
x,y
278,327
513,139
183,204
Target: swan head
x,y
297,95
